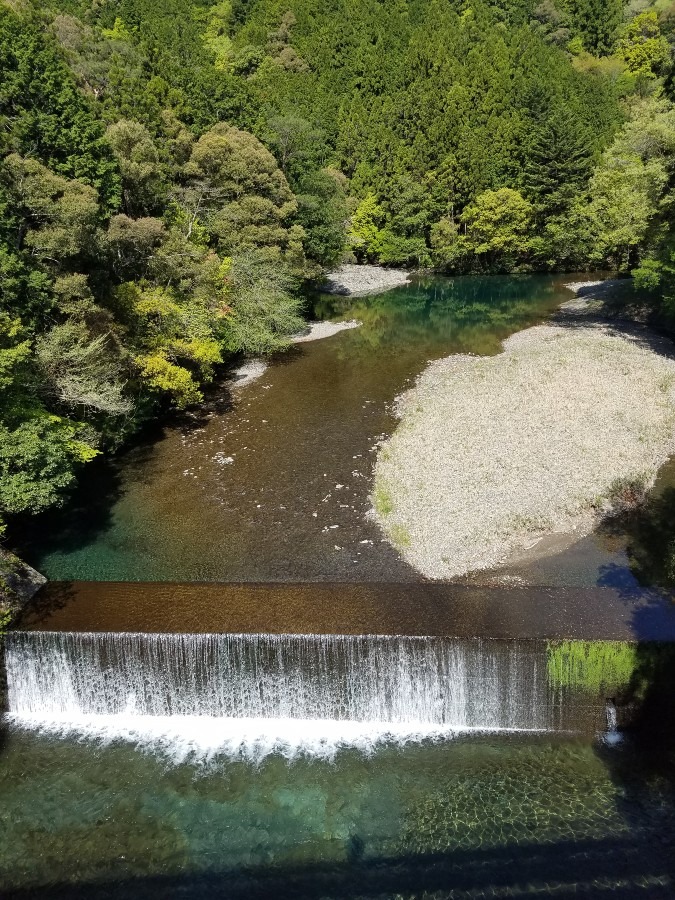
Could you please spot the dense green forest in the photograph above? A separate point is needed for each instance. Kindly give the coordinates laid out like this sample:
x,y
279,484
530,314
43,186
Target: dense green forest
x,y
173,172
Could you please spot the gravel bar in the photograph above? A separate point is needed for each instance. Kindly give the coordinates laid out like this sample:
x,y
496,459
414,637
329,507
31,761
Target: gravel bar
x,y
316,331
494,453
360,280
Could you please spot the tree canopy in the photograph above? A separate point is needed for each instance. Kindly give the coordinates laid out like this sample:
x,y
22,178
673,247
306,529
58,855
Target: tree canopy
x,y
173,171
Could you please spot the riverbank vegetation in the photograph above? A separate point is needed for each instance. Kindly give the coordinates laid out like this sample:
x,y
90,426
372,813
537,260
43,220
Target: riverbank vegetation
x,y
174,171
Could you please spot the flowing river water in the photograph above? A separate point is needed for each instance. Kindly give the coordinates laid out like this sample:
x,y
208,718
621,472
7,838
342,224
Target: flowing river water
x,y
239,766
368,737
270,480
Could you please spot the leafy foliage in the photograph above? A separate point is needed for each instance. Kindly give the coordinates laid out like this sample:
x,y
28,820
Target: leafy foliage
x,y
171,172
137,249
642,46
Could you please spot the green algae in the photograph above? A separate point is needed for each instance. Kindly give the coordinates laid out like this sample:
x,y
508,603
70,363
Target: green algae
x,y
592,666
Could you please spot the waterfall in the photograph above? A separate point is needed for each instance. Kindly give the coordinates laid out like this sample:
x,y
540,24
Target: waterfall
x,y
254,693
402,680
612,735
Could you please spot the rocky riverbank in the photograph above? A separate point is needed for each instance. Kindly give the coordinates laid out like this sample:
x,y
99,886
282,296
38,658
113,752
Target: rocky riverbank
x,y
357,281
493,454
18,584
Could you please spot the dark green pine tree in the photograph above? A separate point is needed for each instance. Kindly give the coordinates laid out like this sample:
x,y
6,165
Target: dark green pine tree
x,y
596,21
558,162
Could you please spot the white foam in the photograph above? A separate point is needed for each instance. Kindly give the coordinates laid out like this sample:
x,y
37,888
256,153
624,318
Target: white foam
x,y
612,738
202,739
398,680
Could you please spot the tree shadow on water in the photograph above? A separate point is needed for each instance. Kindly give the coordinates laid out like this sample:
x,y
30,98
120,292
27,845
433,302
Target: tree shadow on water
x,y
85,515
568,868
88,511
646,584
622,867
51,597
648,527
642,765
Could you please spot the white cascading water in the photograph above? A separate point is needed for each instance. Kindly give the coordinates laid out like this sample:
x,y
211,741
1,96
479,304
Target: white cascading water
x,y
253,693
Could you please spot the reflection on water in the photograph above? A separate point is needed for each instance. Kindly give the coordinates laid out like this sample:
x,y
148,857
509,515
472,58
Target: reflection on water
x,y
464,315
272,483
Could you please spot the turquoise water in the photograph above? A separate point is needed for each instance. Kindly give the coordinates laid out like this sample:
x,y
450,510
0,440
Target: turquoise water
x,y
98,801
474,817
271,482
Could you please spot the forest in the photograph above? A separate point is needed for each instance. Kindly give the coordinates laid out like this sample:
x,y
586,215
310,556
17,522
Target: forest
x,y
175,174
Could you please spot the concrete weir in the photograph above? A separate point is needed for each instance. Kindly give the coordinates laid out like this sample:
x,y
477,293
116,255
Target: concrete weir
x,y
426,609
308,692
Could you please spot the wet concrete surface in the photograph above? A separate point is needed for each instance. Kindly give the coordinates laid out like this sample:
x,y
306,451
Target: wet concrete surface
x,y
366,608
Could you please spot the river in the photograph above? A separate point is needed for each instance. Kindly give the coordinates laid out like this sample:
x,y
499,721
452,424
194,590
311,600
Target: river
x,y
357,738
270,481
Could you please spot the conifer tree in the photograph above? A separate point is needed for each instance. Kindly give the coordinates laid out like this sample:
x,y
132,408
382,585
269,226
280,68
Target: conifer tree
x,y
558,163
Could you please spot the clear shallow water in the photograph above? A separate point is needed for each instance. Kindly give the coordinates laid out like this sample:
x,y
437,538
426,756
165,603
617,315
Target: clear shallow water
x,y
478,816
271,483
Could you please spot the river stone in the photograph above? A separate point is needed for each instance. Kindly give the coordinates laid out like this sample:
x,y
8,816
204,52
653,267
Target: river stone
x,y
357,281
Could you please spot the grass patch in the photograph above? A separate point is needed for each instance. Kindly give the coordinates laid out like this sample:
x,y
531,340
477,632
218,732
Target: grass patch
x,y
382,500
625,493
666,384
400,536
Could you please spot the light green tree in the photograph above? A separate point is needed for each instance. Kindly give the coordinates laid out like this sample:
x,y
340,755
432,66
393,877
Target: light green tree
x,y
15,352
39,459
174,336
628,186
364,234
625,191
497,225
642,46
217,34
